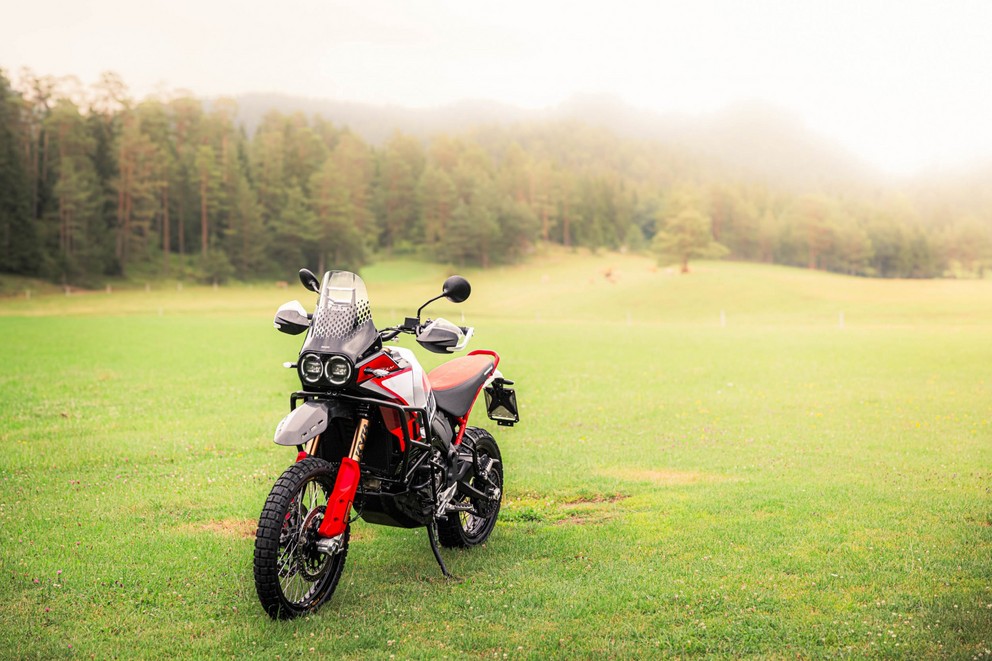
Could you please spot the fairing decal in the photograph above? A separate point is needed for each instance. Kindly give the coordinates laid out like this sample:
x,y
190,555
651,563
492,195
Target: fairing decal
x,y
380,362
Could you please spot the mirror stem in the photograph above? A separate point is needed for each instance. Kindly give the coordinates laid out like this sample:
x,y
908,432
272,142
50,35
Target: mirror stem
x,y
428,303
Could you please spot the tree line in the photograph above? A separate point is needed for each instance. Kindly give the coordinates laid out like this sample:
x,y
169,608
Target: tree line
x,y
94,184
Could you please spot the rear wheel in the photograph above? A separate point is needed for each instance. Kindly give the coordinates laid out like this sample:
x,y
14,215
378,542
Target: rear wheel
x,y
292,576
472,527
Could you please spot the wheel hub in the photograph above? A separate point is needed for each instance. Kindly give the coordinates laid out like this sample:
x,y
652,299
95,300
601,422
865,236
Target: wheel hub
x,y
311,562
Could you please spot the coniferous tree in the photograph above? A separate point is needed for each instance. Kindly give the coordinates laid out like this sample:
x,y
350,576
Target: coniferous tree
x,y
208,175
246,239
686,231
293,234
77,192
338,239
20,251
138,190
355,167
401,162
437,200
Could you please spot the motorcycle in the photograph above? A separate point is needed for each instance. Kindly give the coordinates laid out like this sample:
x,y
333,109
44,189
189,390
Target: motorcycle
x,y
376,434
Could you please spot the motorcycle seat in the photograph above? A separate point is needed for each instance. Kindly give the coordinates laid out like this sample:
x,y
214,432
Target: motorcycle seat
x,y
457,382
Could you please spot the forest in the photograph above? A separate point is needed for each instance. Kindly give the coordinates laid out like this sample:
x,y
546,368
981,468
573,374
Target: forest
x,y
97,185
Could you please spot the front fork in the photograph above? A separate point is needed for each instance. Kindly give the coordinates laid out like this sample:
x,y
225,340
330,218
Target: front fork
x,y
343,494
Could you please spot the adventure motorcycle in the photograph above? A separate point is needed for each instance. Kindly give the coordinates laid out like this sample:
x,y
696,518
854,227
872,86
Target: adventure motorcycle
x,y
376,432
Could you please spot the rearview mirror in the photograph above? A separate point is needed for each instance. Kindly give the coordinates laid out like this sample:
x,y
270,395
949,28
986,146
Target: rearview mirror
x,y
456,289
309,280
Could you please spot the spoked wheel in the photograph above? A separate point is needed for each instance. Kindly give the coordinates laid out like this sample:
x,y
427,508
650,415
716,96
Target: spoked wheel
x,y
472,527
291,576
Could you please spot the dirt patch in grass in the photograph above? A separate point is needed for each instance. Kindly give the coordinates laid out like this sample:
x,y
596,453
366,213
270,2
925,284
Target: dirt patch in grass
x,y
588,517
577,509
240,528
598,499
590,510
663,477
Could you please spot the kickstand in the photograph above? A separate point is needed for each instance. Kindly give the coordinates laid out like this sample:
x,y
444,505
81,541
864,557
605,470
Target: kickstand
x,y
432,536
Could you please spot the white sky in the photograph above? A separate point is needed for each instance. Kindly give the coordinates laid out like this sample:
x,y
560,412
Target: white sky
x,y
905,84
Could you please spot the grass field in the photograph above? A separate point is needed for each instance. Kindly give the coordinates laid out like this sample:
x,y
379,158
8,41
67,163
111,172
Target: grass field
x,y
745,461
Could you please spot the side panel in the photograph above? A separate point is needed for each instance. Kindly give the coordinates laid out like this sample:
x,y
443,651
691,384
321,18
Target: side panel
x,y
406,385
411,386
394,423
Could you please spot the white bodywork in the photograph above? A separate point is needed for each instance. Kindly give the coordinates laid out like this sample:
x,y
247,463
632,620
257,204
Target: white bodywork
x,y
409,383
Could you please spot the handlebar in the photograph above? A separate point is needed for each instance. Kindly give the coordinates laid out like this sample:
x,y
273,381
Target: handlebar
x,y
389,334
411,326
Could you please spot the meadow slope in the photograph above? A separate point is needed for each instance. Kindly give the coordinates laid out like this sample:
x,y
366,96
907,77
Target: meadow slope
x,y
745,461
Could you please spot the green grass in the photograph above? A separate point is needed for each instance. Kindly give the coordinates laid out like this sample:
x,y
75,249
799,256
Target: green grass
x,y
774,485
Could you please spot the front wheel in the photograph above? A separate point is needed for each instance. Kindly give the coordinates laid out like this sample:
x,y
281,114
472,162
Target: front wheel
x,y
292,577
472,526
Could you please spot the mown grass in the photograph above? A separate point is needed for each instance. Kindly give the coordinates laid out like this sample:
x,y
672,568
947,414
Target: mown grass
x,y
771,485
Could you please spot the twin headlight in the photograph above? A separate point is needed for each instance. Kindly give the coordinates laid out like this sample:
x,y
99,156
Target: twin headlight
x,y
335,370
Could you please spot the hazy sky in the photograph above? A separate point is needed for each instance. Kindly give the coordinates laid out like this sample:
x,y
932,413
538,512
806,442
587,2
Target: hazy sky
x,y
905,84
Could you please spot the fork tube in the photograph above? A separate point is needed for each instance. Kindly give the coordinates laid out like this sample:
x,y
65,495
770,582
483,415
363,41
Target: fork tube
x,y
358,441
345,485
311,448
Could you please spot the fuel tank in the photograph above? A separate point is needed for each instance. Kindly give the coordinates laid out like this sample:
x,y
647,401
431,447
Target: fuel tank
x,y
408,385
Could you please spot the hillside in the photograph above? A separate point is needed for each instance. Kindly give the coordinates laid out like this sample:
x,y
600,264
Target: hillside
x,y
752,140
562,286
304,181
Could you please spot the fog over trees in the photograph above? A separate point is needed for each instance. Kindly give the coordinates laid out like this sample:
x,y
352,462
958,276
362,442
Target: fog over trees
x,y
94,183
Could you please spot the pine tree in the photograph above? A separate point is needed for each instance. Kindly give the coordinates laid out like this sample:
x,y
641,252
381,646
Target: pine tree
x,y
437,199
208,180
137,186
686,231
292,233
401,163
338,238
246,240
20,251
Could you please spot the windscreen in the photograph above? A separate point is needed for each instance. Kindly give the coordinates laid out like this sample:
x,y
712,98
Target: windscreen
x,y
342,322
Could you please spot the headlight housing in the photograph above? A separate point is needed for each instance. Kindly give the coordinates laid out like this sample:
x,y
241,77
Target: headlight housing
x,y
337,370
311,368
317,370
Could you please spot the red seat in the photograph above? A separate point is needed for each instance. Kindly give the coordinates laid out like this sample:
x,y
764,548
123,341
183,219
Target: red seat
x,y
457,382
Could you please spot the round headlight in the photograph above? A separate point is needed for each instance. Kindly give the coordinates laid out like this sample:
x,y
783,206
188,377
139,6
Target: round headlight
x,y
311,368
338,370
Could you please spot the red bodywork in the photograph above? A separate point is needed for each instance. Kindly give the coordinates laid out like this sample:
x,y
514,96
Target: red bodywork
x,y
349,474
339,504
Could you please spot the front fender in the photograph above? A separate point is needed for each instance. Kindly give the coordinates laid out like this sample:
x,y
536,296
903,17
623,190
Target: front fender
x,y
306,421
